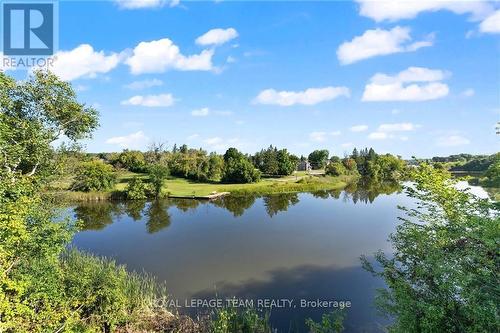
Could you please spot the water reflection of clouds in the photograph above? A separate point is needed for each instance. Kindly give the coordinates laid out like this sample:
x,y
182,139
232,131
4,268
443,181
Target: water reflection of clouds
x,y
309,282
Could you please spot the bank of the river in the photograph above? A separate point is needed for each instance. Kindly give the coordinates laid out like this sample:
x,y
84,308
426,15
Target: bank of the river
x,y
183,188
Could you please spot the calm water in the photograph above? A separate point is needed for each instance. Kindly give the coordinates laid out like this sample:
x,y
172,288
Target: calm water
x,y
292,246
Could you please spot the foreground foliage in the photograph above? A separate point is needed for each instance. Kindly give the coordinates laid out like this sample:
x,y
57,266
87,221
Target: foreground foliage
x,y
443,275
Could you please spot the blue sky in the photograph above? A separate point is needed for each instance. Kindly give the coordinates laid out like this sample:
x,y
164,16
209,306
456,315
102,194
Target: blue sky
x,y
417,78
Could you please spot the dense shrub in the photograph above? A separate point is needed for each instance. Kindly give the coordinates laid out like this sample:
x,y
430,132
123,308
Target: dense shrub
x,y
137,189
94,176
332,322
335,169
230,320
350,164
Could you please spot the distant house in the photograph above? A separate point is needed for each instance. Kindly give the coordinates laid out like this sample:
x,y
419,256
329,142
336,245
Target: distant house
x,y
304,166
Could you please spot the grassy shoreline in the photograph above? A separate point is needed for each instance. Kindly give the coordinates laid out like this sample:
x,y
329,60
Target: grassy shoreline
x,y
184,188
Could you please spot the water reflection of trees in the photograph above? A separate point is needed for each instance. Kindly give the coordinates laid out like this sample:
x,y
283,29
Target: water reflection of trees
x,y
157,216
134,208
96,215
362,191
366,191
279,202
235,204
185,204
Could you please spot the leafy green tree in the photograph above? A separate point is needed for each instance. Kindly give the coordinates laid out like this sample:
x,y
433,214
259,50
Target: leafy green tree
x,y
275,162
286,166
443,274
350,165
43,288
94,176
493,174
335,159
335,169
132,160
238,169
35,113
391,167
215,167
157,175
318,158
136,189
294,159
270,164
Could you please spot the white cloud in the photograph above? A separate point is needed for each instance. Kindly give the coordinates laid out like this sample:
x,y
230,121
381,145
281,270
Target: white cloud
x,y
131,141
162,100
223,113
193,136
139,4
81,87
213,141
203,112
322,136
452,141
144,84
379,42
83,62
397,127
359,128
309,96
468,92
406,9
217,36
161,55
220,144
378,136
491,24
347,145
383,87
230,60
318,136
385,131
174,3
